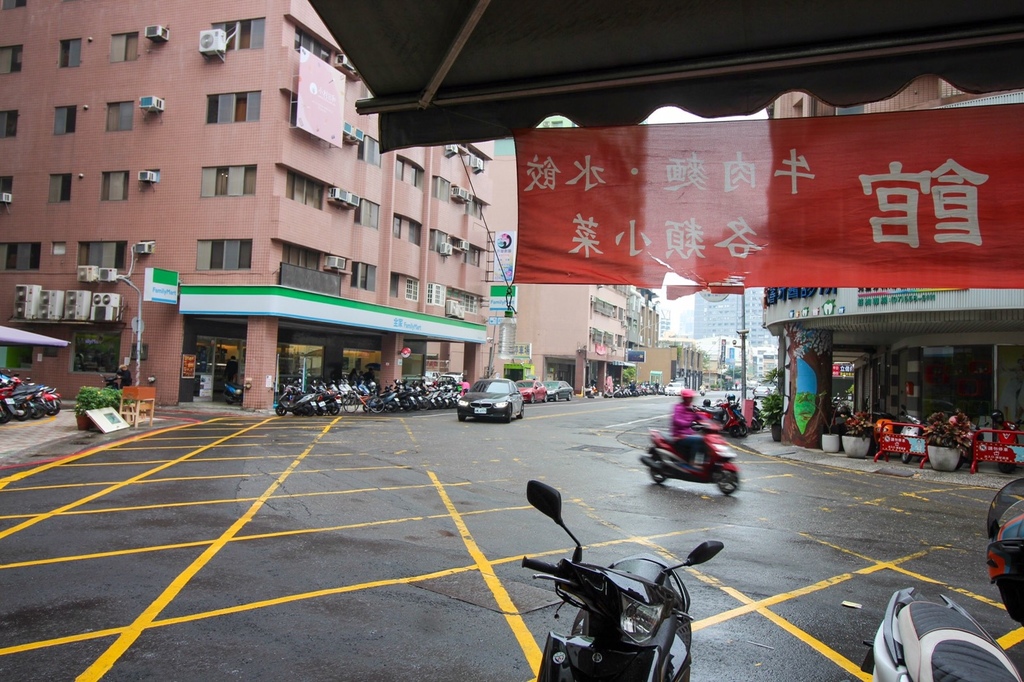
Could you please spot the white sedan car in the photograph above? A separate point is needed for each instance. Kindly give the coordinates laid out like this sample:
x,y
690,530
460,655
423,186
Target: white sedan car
x,y
762,390
674,388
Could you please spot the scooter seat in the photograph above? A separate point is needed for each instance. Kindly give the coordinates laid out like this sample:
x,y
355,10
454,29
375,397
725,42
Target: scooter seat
x,y
942,645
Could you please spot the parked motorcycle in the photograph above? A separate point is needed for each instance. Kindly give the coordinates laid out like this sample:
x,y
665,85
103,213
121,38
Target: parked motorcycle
x,y
710,462
728,415
232,393
633,621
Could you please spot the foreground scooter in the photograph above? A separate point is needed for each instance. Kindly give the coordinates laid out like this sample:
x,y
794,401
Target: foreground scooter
x,y
711,461
632,622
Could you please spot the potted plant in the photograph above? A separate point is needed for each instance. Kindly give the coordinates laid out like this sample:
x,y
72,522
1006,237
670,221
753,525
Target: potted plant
x,y
949,440
830,437
771,414
93,398
857,435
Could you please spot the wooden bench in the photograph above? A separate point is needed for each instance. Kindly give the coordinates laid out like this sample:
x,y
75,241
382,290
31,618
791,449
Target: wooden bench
x,y
138,402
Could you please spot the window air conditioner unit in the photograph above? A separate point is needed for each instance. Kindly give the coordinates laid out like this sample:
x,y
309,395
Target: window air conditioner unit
x,y
454,309
149,176
77,305
213,41
460,195
51,306
343,197
106,307
335,263
477,164
88,273
343,62
444,249
350,134
27,298
6,197
108,274
158,34
462,245
451,150
151,103
144,247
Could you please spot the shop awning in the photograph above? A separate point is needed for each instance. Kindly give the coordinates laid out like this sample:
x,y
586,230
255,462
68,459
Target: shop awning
x,y
467,70
18,337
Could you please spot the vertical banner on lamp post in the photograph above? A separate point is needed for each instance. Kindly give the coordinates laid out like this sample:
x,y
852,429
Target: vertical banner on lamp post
x,y
504,256
161,286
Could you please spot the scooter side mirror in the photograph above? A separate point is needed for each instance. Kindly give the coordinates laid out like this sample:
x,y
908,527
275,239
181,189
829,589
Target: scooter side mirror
x,y
545,499
705,551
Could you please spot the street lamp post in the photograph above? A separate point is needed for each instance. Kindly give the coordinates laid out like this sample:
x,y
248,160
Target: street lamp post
x,y
137,327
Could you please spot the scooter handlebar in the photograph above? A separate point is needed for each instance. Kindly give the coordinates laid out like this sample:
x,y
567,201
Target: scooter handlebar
x,y
539,566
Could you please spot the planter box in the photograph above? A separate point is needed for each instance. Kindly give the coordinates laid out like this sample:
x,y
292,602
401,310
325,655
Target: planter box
x,y
943,459
856,447
830,442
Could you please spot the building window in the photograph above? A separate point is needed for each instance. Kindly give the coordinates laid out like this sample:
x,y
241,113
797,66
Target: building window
x,y
412,289
24,256
95,352
415,230
64,119
303,39
102,254
115,186
435,293
7,184
233,107
442,189
70,52
119,116
393,291
396,227
224,254
475,208
304,190
470,302
407,171
229,181
410,227
243,35
10,59
303,258
369,151
437,238
368,213
124,47
364,276
60,188
472,256
11,4
8,123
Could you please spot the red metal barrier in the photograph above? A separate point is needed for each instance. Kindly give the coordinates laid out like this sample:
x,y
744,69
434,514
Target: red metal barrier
x,y
1005,448
900,439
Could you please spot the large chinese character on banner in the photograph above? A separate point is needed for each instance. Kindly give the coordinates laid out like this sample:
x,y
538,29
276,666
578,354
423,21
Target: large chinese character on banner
x,y
923,198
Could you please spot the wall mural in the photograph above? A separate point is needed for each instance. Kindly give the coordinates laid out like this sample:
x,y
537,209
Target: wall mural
x,y
808,384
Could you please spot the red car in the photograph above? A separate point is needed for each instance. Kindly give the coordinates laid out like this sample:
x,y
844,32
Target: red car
x,y
532,391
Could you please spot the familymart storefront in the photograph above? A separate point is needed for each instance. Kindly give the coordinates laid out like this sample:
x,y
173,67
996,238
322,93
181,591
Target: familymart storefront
x,y
280,334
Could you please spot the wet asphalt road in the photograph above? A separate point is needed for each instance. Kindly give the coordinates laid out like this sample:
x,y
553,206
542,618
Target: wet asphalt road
x,y
365,548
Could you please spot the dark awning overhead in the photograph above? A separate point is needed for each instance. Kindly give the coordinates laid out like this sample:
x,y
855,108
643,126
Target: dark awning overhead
x,y
468,70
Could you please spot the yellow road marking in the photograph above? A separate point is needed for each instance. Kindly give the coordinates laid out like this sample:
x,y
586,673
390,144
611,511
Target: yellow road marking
x,y
124,641
522,633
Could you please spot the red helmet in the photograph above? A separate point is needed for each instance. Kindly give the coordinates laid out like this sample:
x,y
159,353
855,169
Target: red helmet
x,y
687,395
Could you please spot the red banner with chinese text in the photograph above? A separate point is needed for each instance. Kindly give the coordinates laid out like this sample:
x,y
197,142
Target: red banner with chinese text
x,y
924,199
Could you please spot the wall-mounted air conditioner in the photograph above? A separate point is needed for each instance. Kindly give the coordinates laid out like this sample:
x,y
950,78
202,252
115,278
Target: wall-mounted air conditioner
x,y
27,298
144,248
444,249
343,197
51,306
350,134
460,195
335,263
151,103
158,34
451,150
106,307
149,176
88,273
477,164
454,309
6,197
108,275
213,42
77,305
462,245
344,63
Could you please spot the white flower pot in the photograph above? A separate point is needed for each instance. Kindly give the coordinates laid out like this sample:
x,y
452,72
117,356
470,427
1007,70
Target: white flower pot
x,y
856,446
943,459
830,442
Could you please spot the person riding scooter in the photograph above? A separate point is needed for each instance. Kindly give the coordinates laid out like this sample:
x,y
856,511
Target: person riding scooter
x,y
687,440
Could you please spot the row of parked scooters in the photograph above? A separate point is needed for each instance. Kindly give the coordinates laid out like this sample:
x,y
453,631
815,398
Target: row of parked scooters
x,y
21,400
331,398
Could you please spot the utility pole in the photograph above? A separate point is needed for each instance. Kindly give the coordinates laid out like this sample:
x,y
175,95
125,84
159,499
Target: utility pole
x,y
137,327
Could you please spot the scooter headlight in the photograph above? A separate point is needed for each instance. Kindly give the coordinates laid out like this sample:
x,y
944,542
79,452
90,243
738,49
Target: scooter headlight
x,y
638,621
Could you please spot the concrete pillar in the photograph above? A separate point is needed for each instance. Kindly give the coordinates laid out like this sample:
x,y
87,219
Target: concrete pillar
x,y
260,363
390,353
